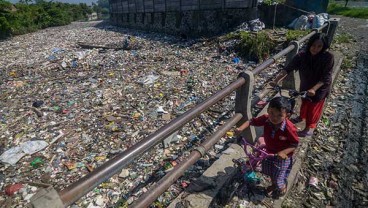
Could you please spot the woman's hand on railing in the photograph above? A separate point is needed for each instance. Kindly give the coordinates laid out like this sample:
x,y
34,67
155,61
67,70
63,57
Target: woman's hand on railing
x,y
311,92
278,78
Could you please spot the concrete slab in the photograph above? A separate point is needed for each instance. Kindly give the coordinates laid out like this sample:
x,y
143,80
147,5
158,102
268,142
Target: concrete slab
x,y
214,178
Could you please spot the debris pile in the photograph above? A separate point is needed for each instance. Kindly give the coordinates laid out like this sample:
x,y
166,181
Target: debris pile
x,y
67,109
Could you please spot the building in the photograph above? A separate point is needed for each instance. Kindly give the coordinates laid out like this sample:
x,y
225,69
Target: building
x,y
92,16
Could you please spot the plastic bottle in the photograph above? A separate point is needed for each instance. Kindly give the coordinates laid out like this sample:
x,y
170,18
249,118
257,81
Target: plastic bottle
x,y
37,162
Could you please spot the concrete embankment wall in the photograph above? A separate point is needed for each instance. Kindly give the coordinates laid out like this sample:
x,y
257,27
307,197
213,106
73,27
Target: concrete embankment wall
x,y
189,17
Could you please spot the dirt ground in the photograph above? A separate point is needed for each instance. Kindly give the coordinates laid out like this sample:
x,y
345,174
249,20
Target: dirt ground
x,y
337,156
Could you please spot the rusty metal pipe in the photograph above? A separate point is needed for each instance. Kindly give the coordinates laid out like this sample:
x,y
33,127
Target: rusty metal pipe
x,y
283,52
208,143
150,196
81,187
262,66
272,60
306,37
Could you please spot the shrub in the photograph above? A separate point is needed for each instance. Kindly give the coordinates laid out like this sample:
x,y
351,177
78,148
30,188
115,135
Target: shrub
x,y
5,29
255,46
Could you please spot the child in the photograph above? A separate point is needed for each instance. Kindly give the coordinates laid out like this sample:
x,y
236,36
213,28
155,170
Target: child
x,y
315,70
281,139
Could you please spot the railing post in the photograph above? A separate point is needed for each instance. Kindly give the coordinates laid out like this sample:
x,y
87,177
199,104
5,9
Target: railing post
x,y
292,80
331,29
243,104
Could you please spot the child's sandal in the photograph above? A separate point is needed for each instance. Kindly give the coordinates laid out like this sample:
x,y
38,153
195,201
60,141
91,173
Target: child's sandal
x,y
281,192
304,133
270,190
296,120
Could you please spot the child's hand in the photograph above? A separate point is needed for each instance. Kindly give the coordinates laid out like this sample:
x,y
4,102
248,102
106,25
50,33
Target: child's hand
x,y
311,92
273,84
238,131
282,155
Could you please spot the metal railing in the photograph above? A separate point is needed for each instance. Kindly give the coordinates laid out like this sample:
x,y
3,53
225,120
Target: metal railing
x,y
108,169
243,87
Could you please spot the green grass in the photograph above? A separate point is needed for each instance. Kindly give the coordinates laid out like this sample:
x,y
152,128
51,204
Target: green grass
x,y
347,63
342,38
338,9
295,34
270,2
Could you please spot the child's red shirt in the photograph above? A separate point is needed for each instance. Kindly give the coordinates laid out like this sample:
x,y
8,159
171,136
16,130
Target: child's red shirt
x,y
279,139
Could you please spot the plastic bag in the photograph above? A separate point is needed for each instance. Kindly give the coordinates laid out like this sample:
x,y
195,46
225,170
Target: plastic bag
x,y
13,155
319,20
32,147
256,25
251,177
80,54
150,79
299,23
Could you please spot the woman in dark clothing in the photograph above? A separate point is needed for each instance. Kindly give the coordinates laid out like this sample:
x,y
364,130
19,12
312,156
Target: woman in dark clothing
x,y
315,66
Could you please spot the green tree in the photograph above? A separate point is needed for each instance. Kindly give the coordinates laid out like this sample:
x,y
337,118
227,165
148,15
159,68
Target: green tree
x,y
40,1
24,17
4,6
59,17
5,29
102,8
25,1
103,3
